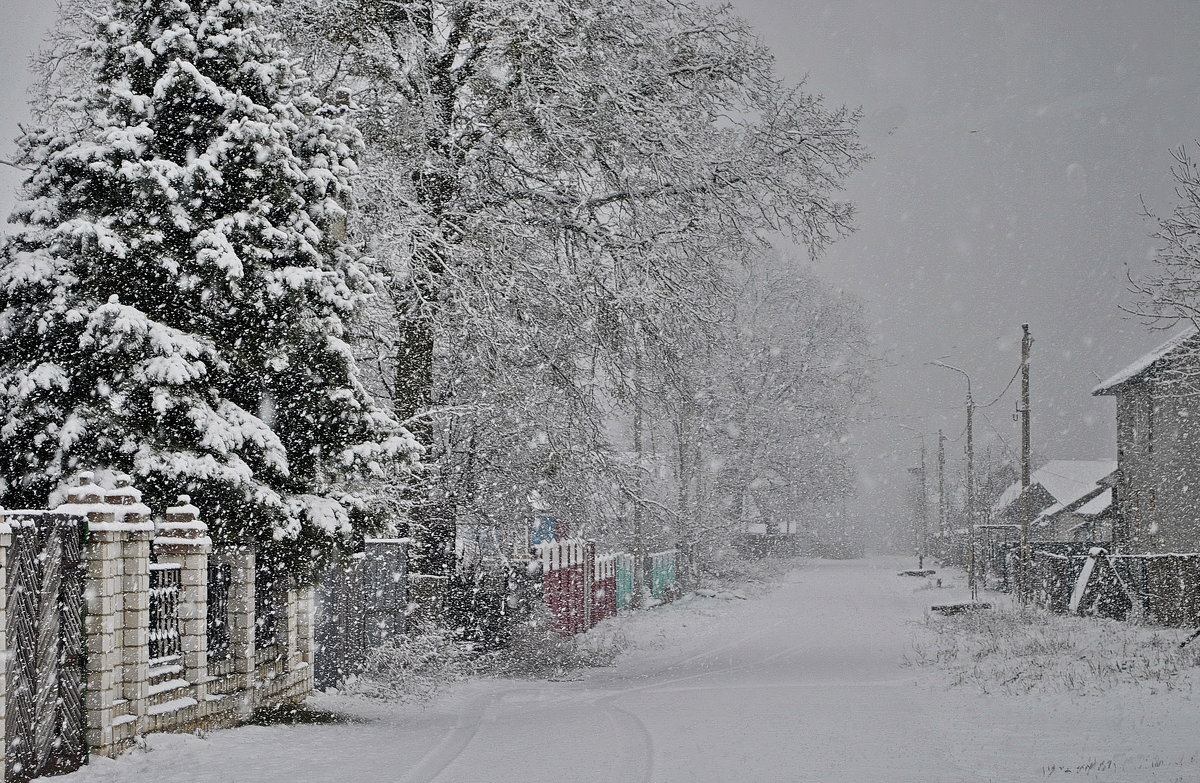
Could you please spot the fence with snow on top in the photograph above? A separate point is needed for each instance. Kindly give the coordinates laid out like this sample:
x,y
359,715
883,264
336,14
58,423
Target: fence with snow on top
x,y
581,588
1163,588
568,571
173,629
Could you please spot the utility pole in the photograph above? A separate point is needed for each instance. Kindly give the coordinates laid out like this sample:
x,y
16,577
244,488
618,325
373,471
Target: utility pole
x,y
970,477
920,519
924,511
1023,572
971,494
941,466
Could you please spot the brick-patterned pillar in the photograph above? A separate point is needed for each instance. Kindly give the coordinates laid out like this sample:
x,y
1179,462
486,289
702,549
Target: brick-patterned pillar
x,y
115,525
306,624
241,612
183,538
105,614
132,520
291,621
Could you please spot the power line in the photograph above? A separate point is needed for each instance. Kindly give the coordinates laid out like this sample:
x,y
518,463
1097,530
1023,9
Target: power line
x,y
1007,448
1006,388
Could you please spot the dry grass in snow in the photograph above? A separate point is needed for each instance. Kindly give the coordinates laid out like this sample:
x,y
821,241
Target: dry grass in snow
x,y
1015,651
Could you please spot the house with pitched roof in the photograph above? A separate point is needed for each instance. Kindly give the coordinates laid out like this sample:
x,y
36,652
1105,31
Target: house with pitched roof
x,y
1157,486
1062,494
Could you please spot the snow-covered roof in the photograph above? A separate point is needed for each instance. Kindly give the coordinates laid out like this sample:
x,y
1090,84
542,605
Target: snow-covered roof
x,y
1097,505
1049,511
1067,480
1146,362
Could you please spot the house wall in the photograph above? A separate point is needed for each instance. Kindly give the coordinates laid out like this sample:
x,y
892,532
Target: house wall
x,y
1158,484
1095,528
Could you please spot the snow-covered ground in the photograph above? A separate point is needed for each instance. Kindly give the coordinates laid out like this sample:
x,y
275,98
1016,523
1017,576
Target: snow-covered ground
x,y
817,680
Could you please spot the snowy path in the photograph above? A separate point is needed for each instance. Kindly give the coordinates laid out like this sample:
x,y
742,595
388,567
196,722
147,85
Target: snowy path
x,y
802,684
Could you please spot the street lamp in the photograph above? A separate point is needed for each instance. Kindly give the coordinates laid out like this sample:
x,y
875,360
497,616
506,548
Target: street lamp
x,y
970,478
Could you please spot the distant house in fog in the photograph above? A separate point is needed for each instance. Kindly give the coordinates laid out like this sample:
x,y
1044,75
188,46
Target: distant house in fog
x,y
1066,498
1157,491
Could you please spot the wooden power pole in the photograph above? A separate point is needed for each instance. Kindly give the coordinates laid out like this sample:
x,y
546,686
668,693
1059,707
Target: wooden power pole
x,y
921,510
941,467
1023,574
971,495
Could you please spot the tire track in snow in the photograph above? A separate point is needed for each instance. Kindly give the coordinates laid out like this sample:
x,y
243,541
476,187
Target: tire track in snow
x,y
640,737
639,733
442,755
472,715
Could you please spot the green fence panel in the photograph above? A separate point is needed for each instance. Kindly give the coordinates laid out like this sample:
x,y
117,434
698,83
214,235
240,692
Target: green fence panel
x,y
663,577
624,581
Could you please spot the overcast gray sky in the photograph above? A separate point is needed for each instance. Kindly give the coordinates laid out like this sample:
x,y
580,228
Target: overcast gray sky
x,y
1013,143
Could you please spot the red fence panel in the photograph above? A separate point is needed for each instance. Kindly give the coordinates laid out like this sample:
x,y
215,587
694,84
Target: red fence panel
x,y
567,572
604,588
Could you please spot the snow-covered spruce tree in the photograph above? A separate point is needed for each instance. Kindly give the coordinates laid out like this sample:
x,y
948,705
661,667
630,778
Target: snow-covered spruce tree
x,y
176,295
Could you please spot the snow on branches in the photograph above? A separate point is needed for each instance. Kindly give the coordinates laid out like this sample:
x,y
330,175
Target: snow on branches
x,y
559,194
174,300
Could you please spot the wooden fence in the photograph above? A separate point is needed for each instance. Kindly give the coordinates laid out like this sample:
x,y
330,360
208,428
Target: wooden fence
x,y
581,588
1160,588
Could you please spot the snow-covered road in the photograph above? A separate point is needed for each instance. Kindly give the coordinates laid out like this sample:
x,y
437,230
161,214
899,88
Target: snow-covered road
x,y
804,683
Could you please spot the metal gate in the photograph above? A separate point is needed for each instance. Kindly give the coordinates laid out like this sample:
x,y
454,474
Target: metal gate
x,y
44,720
360,606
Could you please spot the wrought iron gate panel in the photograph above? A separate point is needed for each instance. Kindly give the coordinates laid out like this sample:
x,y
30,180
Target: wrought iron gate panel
x,y
45,717
360,605
48,647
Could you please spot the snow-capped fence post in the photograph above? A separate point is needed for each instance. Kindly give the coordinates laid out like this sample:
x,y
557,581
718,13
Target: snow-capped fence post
x,y
304,647
241,609
183,538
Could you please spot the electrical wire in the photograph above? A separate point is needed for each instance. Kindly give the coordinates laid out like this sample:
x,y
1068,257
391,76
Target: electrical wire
x,y
1006,388
1008,449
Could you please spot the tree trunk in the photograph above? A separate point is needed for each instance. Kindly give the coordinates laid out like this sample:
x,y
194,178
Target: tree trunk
x,y
431,524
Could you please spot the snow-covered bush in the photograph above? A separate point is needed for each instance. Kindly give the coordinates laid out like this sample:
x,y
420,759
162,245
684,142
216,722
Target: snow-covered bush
x,y
409,667
535,650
